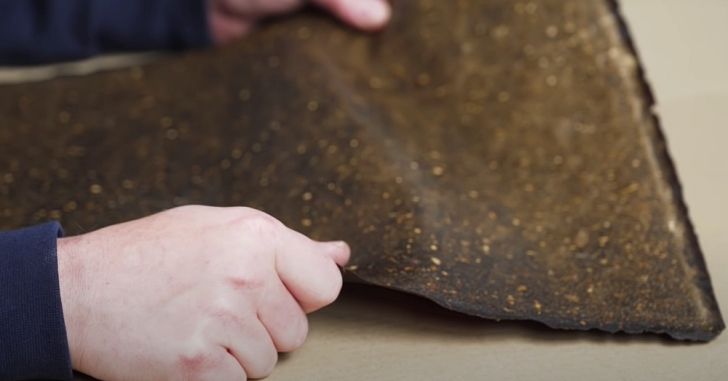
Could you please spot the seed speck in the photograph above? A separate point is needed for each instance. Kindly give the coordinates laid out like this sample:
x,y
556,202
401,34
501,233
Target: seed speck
x,y
552,31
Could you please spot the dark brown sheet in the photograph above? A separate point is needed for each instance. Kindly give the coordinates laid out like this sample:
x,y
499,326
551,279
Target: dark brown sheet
x,y
497,157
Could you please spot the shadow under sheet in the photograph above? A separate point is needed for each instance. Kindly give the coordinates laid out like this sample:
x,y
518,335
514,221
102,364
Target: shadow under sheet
x,y
498,158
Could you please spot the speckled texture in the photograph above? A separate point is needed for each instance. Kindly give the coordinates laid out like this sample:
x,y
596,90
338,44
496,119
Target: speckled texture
x,y
497,157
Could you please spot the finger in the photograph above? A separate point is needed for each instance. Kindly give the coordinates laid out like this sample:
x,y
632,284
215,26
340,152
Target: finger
x,y
339,252
226,28
249,343
308,269
283,317
229,369
363,14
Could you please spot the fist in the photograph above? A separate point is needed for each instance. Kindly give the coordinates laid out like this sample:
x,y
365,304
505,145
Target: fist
x,y
193,293
230,19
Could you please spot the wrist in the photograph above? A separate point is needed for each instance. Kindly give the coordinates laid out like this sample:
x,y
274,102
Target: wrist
x,y
72,271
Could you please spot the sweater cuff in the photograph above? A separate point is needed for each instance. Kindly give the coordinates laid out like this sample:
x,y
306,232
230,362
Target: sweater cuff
x,y
191,22
33,342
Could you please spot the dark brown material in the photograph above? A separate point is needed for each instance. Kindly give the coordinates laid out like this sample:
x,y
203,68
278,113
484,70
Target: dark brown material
x,y
499,158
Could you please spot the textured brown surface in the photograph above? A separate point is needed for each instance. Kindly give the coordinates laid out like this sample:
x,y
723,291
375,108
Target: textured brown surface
x,y
498,158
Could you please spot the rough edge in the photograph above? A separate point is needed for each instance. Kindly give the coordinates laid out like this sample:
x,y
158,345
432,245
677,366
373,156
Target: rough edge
x,y
553,323
702,280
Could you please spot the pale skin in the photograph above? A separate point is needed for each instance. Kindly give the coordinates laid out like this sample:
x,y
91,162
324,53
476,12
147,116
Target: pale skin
x,y
231,19
200,293
194,293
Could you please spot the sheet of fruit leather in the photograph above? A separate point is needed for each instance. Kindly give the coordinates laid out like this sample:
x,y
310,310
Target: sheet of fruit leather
x,y
499,158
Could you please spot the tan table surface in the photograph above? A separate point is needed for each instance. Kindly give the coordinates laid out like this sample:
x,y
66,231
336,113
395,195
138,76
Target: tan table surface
x,y
381,336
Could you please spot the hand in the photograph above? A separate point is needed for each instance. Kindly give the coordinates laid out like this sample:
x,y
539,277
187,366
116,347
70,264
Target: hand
x,y
231,19
193,293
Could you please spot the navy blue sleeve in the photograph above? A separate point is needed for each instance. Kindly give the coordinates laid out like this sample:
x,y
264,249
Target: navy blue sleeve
x,y
41,31
33,342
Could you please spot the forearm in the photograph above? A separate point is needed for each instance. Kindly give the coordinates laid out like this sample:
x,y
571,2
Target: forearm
x,y
40,31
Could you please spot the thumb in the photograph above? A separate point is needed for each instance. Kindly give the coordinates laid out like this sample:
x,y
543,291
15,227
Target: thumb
x,y
338,251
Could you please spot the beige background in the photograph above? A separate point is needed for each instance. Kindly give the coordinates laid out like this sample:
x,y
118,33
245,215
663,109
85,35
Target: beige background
x,y
379,335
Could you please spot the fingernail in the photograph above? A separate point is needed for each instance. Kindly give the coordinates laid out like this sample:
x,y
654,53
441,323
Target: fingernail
x,y
335,246
374,12
339,251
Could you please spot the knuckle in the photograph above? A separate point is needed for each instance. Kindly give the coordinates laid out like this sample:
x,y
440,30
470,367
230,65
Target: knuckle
x,y
264,366
299,336
272,361
257,223
252,282
328,292
294,334
193,365
225,314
